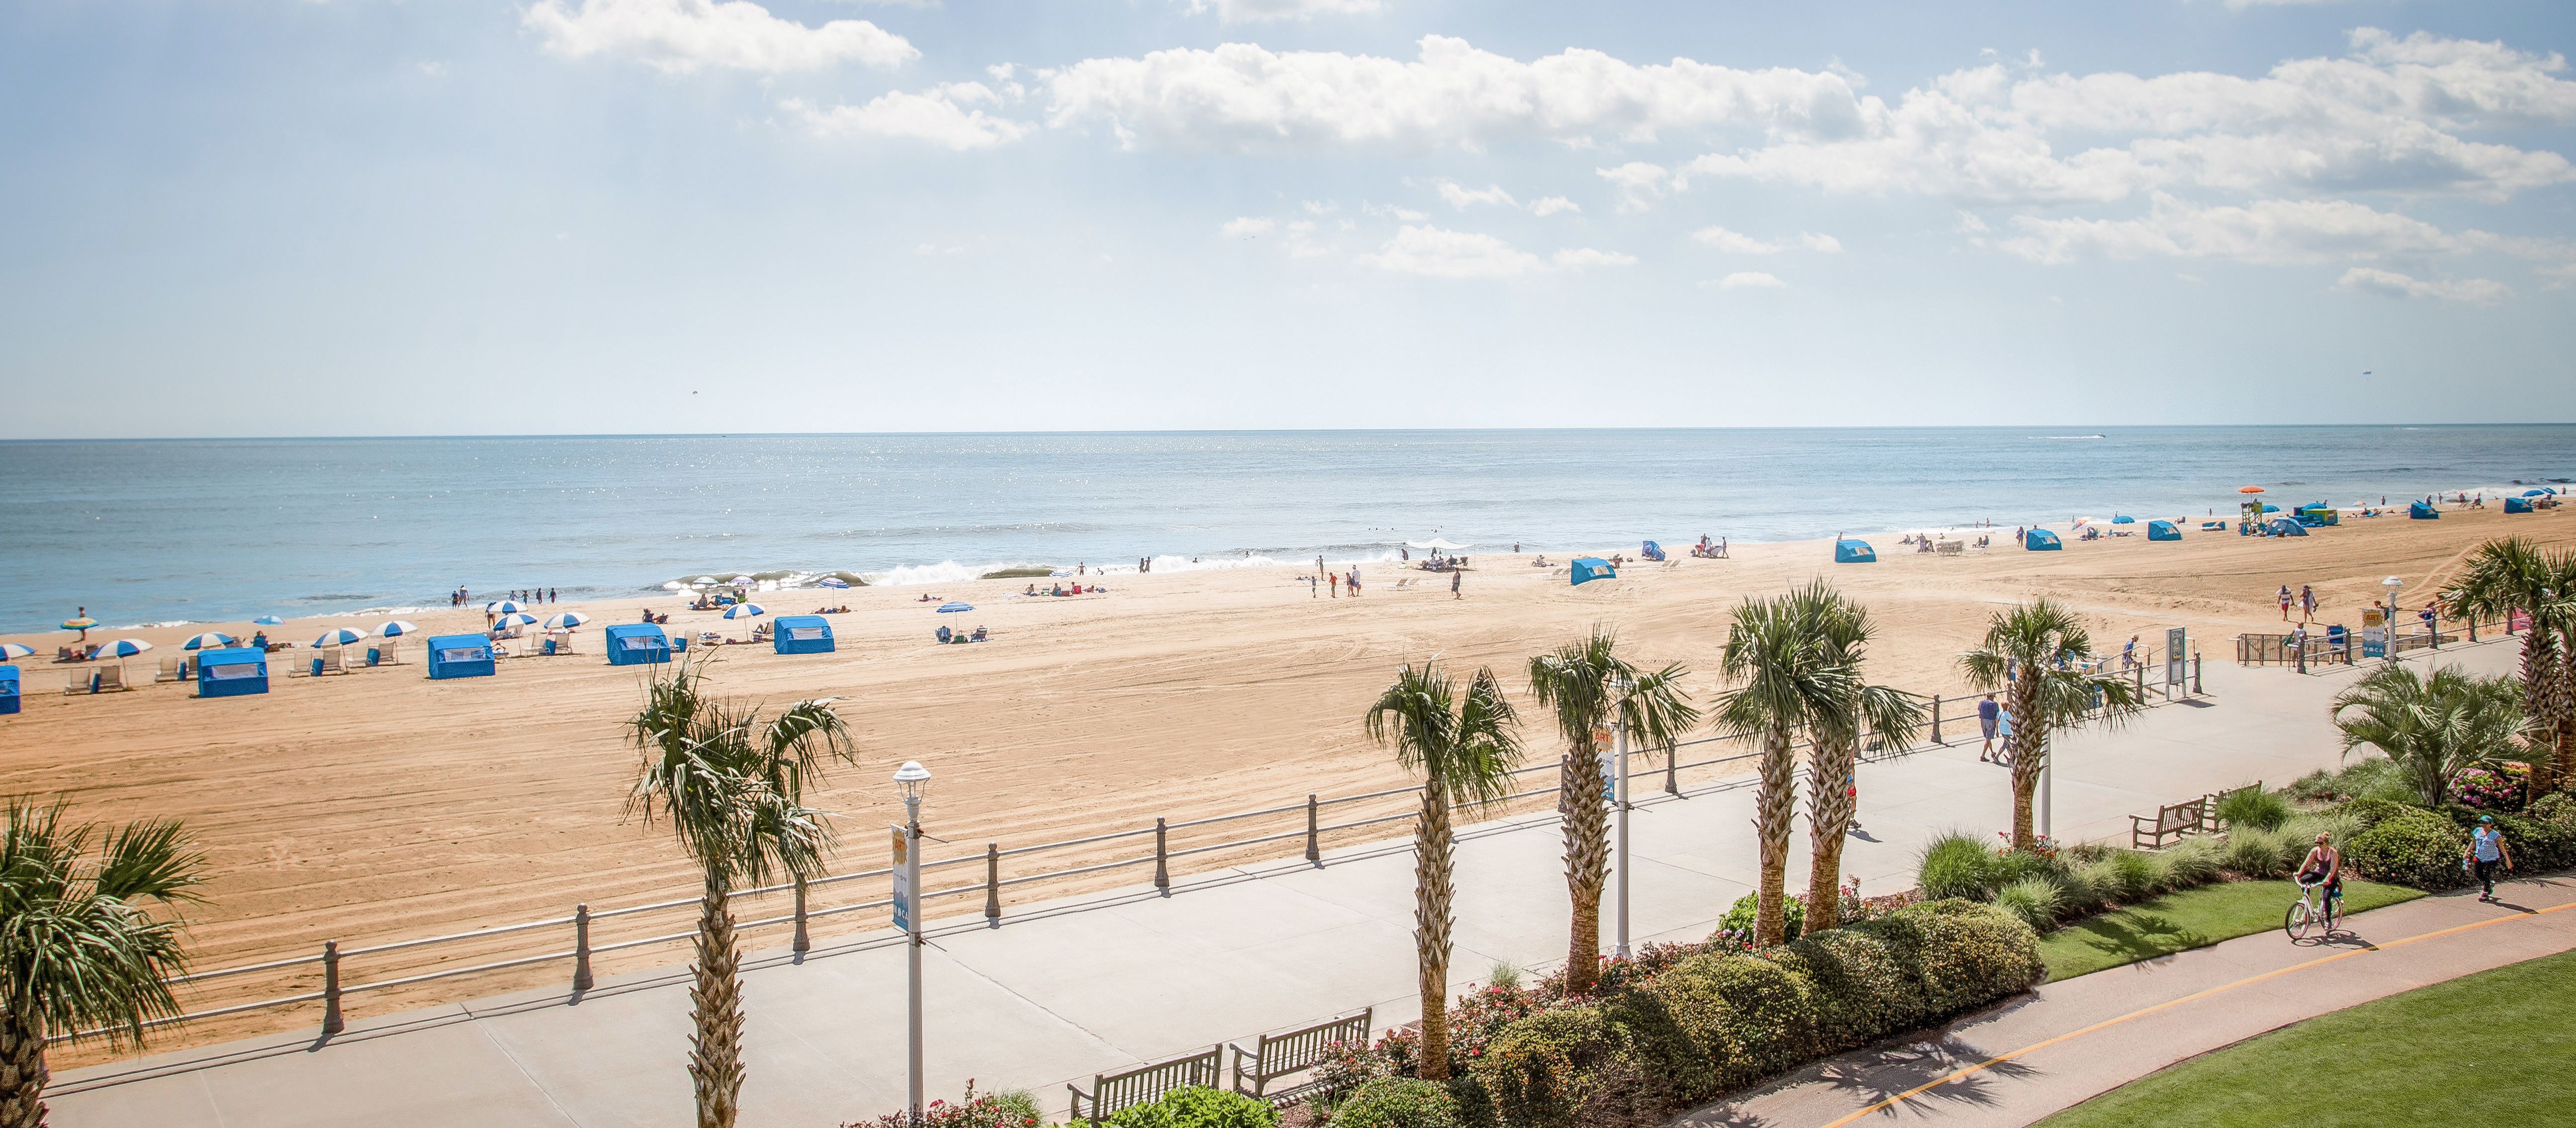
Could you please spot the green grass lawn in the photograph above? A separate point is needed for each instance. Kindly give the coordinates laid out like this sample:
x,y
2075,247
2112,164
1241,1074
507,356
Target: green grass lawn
x,y
2490,1048
2192,918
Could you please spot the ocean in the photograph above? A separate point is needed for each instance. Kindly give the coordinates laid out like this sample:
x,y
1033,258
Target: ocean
x,y
164,532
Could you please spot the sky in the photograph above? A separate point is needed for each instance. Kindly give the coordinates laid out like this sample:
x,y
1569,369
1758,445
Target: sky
x,y
360,217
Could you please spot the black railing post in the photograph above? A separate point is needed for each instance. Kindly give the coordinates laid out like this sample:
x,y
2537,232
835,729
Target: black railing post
x,y
993,885
581,979
1162,859
332,1023
1314,844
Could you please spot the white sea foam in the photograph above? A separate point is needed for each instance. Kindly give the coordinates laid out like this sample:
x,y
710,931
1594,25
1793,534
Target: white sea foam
x,y
151,626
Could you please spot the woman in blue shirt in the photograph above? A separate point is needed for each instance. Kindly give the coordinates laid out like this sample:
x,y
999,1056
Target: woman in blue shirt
x,y
2487,850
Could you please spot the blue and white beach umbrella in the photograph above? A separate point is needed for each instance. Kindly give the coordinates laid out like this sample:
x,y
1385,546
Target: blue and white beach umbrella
x,y
10,650
745,610
946,608
396,629
123,648
342,636
565,621
514,619
208,641
501,607
268,621
2535,493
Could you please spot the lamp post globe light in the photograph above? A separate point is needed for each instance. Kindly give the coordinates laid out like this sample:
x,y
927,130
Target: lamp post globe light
x,y
914,782
2392,583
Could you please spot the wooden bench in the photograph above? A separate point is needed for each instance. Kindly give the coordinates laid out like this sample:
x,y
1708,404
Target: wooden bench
x,y
2173,820
1113,1092
1280,1055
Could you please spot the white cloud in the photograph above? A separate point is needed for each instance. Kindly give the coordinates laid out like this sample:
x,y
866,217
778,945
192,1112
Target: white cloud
x,y
1640,184
1749,280
1460,197
1256,11
2389,283
2266,231
432,68
1737,242
680,36
939,115
1392,211
1247,227
932,250
1240,95
1550,205
1440,253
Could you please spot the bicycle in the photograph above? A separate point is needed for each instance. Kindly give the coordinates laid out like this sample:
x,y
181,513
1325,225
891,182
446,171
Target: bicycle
x,y
2313,911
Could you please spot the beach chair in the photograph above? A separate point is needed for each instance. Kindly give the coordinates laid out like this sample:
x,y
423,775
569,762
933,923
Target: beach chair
x,y
80,681
1949,548
111,679
172,669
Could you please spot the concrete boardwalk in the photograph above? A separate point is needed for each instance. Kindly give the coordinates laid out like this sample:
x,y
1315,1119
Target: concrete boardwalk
x,y
1065,990
2074,1040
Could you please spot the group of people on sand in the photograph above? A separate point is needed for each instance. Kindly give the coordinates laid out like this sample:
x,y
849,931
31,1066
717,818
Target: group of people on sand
x,y
460,597
1066,589
1334,580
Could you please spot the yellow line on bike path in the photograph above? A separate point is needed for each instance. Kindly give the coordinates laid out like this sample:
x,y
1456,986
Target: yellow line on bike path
x,y
2169,1004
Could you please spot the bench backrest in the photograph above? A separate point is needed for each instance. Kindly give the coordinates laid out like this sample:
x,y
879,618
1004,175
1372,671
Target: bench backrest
x,y
1112,1092
1278,1055
2178,816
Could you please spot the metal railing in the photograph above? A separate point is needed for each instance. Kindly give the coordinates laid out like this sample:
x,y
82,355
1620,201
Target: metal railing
x,y
2324,648
323,976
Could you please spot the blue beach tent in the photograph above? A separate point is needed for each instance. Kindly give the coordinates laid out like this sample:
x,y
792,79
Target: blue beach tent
x,y
460,656
2163,530
232,672
1652,551
2285,527
2419,511
2040,540
801,634
637,644
1854,552
8,690
2516,505
1589,568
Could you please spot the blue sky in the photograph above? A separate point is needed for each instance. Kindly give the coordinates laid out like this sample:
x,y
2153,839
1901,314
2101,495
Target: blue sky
x,y
280,217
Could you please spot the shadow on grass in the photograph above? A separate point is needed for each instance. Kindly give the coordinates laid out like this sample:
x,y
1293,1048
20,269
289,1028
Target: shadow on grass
x,y
2137,936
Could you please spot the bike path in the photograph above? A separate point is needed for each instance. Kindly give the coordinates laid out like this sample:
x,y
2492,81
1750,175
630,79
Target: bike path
x,y
2069,1041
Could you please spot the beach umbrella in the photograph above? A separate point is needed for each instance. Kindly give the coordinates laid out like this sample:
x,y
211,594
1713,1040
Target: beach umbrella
x,y
208,641
123,648
704,580
945,608
81,624
675,585
514,619
832,582
2535,493
2124,519
745,610
501,607
566,621
10,650
2271,509
2249,489
341,636
268,621
396,629
741,580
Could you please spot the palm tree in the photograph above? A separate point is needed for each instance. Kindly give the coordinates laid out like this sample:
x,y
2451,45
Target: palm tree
x,y
2432,728
1787,679
732,790
1877,712
2559,704
2513,576
1591,688
79,943
1465,752
2038,655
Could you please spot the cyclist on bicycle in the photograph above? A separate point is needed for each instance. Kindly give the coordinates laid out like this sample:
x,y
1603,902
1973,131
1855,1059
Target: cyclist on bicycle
x,y
2324,869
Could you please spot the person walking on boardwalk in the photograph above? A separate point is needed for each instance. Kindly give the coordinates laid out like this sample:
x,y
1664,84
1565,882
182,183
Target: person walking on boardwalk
x,y
2487,853
1988,714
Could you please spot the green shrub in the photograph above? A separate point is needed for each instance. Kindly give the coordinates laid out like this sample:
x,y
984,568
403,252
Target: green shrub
x,y
2301,833
2194,862
2538,845
1546,1069
2076,893
2128,877
1720,1020
2255,852
1398,1102
1475,1105
2034,901
2017,865
2556,807
2369,812
1972,955
1739,916
1197,1107
2413,847
2253,807
1955,865
1862,981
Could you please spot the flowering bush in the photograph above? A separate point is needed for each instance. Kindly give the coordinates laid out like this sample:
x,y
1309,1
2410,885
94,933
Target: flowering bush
x,y
2490,789
1011,1109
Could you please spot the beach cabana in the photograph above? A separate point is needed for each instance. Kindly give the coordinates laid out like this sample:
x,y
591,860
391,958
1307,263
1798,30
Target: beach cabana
x,y
1847,551
460,656
232,672
2516,505
2420,511
1652,551
801,634
8,690
2163,530
2285,527
2041,540
1586,569
2316,515
637,644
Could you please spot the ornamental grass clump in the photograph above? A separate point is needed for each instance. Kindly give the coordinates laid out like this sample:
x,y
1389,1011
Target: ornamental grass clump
x,y
2194,862
2256,853
1956,865
2253,807
2034,901
2130,877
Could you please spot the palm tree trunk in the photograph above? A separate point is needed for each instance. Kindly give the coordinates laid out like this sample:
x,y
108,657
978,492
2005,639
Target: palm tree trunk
x,y
1434,870
1829,814
1773,811
2539,670
2029,754
715,999
22,1071
2561,711
1587,862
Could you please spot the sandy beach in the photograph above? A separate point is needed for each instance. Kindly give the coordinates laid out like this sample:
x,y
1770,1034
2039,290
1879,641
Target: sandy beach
x,y
381,806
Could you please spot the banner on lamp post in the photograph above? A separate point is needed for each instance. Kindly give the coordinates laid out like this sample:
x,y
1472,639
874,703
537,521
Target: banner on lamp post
x,y
902,880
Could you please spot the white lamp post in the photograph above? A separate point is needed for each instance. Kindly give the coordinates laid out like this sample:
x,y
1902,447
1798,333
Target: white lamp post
x,y
2389,651
914,780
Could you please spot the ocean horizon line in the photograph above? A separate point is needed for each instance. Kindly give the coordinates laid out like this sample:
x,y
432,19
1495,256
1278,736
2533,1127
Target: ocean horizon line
x,y
1751,428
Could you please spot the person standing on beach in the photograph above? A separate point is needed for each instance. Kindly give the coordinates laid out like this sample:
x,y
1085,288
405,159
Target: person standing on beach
x,y
1335,578
1319,564
2285,603
1454,577
1355,581
1311,586
2308,601
1987,712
